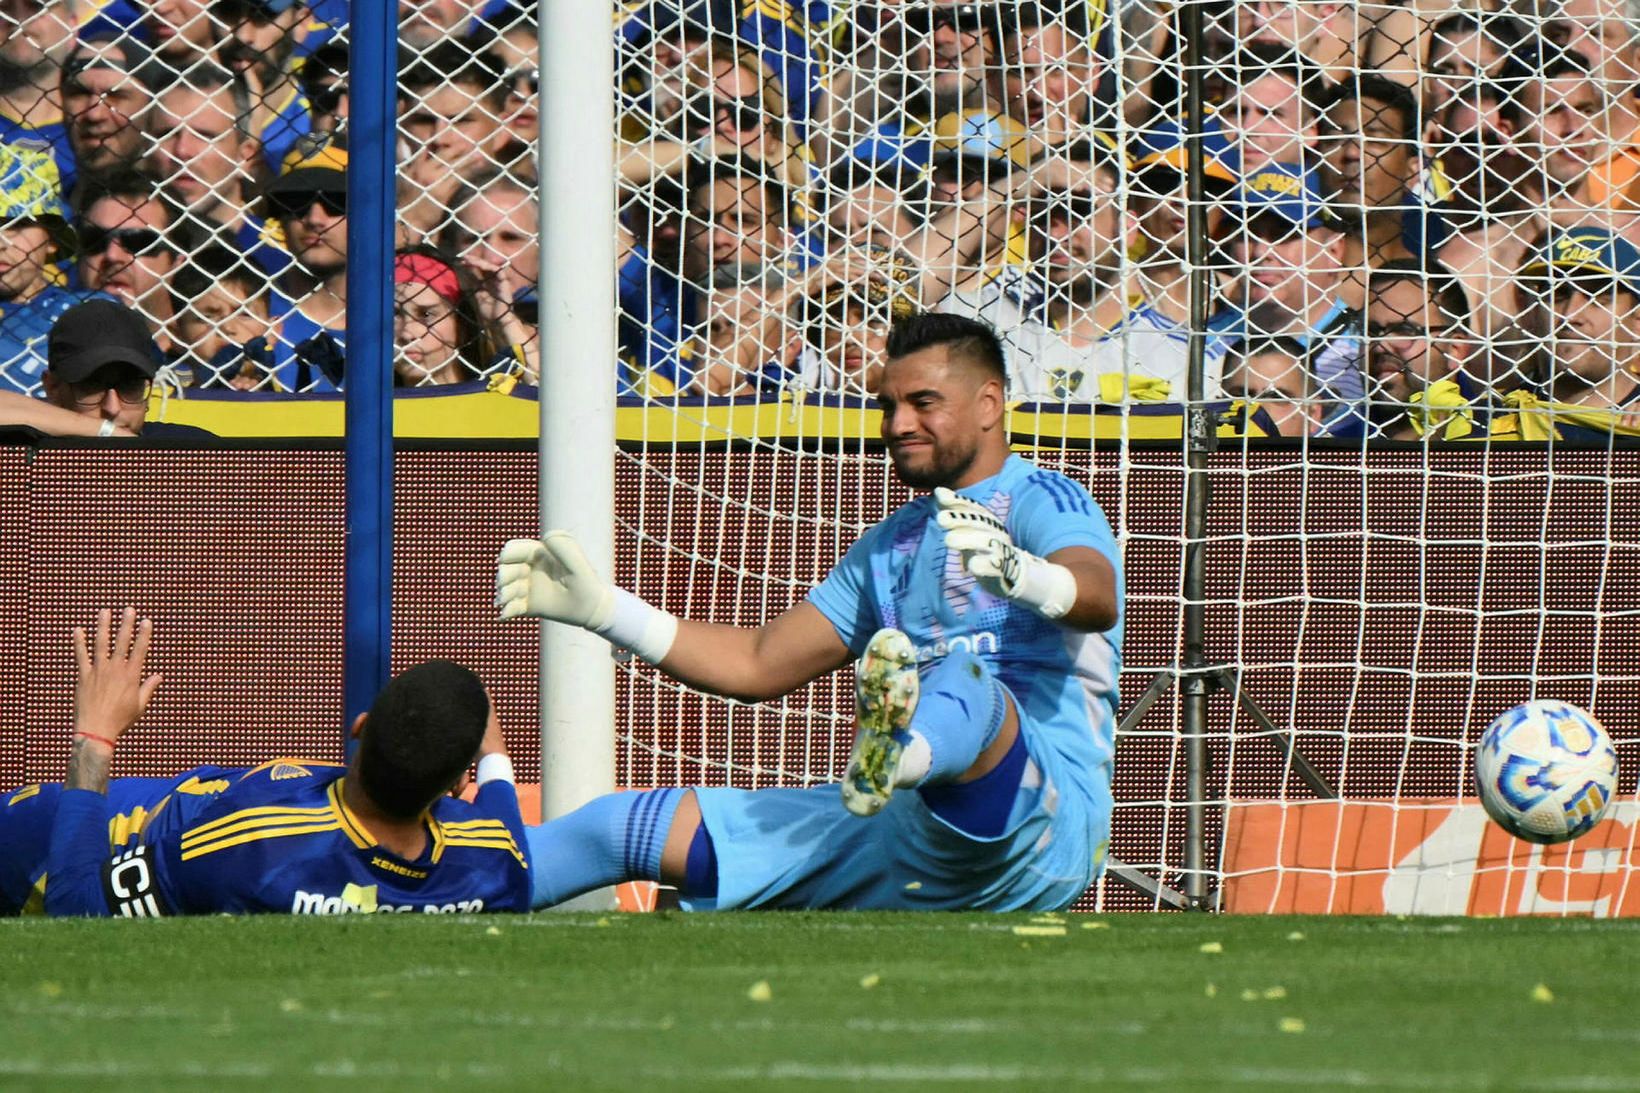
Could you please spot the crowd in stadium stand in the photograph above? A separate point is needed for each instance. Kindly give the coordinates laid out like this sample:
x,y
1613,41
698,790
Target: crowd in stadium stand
x,y
1419,221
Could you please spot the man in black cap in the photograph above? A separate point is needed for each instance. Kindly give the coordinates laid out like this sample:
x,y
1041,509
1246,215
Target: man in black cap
x,y
100,366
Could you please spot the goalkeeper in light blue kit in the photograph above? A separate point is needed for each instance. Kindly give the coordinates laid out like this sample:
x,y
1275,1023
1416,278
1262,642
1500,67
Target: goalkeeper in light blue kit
x,y
986,620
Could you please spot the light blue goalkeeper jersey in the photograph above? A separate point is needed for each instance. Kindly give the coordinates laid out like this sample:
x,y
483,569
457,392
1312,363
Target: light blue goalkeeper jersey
x,y
899,574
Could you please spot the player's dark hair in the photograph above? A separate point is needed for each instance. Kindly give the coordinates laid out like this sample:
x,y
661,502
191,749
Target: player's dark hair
x,y
422,732
971,339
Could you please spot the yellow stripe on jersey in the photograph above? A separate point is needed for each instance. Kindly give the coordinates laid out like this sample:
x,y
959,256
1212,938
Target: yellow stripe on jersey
x,y
127,825
437,830
489,844
349,823
475,825
23,794
246,816
211,847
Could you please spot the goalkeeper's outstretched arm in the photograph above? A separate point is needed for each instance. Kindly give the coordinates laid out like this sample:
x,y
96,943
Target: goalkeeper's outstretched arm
x,y
552,579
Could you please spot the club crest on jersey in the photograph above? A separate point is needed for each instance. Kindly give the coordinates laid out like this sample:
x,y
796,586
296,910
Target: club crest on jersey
x,y
283,771
1066,382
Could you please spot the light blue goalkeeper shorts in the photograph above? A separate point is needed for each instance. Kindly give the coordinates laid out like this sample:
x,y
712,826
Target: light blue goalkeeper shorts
x,y
800,848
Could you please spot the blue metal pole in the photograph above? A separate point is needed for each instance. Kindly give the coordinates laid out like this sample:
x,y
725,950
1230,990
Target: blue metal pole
x,y
367,599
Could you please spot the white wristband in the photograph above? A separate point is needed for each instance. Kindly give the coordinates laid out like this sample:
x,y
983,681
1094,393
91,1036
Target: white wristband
x,y
106,428
635,625
495,767
1043,586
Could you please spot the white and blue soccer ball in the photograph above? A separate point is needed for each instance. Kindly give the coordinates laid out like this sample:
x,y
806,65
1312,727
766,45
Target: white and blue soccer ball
x,y
1546,771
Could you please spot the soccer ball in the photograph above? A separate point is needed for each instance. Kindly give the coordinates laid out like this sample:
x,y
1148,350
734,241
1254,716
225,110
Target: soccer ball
x,y
1546,771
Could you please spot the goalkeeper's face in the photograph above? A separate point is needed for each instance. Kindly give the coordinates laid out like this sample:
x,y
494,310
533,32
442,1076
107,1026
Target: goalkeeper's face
x,y
942,419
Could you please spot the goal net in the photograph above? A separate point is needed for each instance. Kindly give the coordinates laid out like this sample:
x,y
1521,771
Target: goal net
x,y
1418,338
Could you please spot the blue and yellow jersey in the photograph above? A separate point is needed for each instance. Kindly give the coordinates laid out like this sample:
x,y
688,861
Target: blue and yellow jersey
x,y
24,330
276,838
49,137
286,119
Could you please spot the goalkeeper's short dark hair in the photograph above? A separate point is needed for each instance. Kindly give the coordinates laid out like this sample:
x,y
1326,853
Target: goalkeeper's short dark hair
x,y
422,732
972,339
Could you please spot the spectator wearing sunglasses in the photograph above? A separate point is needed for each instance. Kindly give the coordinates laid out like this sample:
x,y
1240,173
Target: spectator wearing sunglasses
x,y
324,85
308,201
514,39
123,232
102,364
733,108
452,116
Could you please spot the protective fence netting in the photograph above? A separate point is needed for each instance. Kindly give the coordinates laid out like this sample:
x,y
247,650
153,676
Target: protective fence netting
x,y
1418,224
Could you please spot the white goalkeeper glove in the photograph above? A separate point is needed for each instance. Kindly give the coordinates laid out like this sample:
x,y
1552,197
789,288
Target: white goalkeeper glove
x,y
552,579
988,554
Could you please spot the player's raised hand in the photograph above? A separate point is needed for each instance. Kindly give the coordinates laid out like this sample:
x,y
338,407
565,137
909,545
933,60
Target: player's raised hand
x,y
980,538
111,691
551,578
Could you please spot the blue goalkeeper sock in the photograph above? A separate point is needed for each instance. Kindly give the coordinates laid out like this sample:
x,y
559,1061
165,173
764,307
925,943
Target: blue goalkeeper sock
x,y
959,713
615,838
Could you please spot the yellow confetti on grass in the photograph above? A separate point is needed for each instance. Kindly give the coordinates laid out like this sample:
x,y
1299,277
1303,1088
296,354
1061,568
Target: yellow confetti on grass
x,y
760,991
1212,990
1212,947
1049,920
1040,931
1296,935
867,982
1095,925
602,922
1542,993
1291,1024
51,988
493,931
1249,995
1272,994
290,1005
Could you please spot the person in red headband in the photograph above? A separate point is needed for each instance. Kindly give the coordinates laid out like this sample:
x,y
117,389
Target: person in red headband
x,y
440,335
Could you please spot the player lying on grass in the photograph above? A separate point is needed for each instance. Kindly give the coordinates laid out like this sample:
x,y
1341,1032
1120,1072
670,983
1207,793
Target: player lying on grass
x,y
291,835
987,623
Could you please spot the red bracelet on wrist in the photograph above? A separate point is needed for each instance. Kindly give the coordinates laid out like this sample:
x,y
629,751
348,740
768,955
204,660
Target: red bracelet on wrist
x,y
97,738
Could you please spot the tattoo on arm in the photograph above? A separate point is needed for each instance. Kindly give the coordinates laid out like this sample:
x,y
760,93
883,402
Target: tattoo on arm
x,y
88,765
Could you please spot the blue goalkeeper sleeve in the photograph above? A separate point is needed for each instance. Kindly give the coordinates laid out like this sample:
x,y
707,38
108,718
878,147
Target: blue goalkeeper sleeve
x,y
78,852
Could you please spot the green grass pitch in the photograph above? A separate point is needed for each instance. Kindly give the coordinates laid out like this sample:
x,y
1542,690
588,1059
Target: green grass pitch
x,y
753,1001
